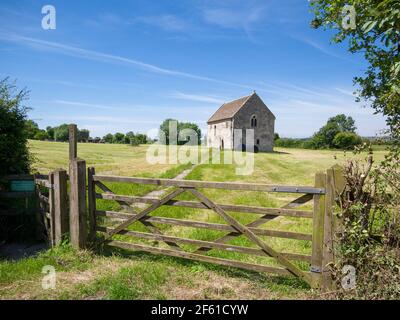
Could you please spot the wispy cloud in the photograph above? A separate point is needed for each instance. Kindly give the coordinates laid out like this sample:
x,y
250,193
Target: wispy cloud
x,y
88,105
106,119
346,92
108,58
133,108
319,47
167,22
233,18
196,97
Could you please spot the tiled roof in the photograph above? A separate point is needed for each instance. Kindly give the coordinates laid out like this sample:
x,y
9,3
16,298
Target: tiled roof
x,y
229,109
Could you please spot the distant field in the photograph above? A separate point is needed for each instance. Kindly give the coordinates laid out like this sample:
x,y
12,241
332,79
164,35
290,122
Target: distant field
x,y
127,160
147,276
117,159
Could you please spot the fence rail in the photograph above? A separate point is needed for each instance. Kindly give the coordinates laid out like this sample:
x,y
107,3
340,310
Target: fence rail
x,y
62,215
321,195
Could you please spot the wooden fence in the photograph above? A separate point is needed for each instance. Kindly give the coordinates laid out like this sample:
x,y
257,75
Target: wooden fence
x,y
322,194
51,200
62,215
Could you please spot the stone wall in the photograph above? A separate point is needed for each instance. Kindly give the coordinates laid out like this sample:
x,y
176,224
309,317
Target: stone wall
x,y
218,131
264,132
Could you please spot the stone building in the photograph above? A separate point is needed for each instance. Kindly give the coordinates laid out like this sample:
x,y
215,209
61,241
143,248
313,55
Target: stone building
x,y
248,112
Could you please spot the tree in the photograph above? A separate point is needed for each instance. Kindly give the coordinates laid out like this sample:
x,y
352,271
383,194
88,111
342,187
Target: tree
x,y
180,126
14,154
61,133
31,128
134,141
346,140
376,34
142,138
188,125
41,135
83,135
50,132
129,136
118,138
325,136
164,131
345,124
108,138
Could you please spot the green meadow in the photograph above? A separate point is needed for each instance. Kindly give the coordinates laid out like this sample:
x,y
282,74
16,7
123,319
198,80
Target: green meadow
x,y
112,273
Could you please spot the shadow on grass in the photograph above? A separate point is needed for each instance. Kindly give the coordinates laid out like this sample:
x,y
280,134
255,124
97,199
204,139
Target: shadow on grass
x,y
267,280
279,152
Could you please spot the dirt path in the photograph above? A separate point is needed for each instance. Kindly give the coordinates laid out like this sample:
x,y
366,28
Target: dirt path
x,y
160,192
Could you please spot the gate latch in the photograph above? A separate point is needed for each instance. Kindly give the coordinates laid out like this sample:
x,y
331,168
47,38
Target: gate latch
x,y
316,269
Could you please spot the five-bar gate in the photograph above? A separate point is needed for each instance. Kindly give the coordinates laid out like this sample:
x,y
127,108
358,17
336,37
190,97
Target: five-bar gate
x,y
322,194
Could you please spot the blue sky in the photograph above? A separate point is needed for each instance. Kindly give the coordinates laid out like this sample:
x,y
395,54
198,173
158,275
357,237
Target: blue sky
x,y
127,65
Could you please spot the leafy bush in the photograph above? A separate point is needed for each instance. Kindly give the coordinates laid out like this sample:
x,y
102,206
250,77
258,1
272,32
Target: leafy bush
x,y
14,154
346,140
134,141
323,138
369,236
61,133
290,143
41,135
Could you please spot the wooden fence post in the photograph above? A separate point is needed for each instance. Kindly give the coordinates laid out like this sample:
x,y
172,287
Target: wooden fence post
x,y
51,209
328,252
92,204
335,184
77,213
60,206
73,141
318,232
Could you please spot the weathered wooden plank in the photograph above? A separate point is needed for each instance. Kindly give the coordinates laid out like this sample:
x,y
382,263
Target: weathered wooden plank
x,y
298,202
145,212
207,225
73,141
232,235
328,252
318,232
211,184
91,205
60,193
207,244
126,206
252,236
51,211
199,205
199,257
78,221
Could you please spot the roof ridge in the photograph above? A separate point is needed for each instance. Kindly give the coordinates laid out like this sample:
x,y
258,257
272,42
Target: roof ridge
x,y
233,104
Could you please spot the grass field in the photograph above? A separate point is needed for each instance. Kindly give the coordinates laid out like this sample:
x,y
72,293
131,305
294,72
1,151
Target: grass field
x,y
115,274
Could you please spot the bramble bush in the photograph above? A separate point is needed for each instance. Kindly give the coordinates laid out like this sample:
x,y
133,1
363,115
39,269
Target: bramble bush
x,y
14,154
368,237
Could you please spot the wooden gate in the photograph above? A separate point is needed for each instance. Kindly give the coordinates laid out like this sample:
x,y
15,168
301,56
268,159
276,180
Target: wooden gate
x,y
322,195
51,191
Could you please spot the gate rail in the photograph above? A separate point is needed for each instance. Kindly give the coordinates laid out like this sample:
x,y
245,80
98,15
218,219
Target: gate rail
x,y
321,193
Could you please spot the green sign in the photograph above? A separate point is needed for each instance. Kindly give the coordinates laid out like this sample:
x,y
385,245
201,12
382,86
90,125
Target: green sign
x,y
22,185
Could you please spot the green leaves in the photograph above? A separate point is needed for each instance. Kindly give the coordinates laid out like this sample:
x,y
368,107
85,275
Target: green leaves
x,y
368,26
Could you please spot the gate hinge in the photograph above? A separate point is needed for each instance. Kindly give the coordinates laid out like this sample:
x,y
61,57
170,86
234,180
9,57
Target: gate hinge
x,y
316,269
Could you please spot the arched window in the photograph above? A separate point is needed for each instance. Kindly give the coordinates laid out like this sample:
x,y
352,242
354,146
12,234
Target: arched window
x,y
215,130
253,121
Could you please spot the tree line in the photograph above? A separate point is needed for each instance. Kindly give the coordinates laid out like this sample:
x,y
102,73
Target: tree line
x,y
61,133
58,133
338,133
